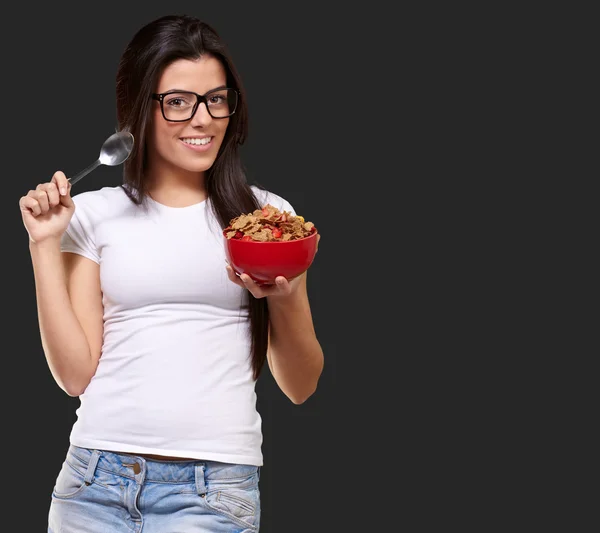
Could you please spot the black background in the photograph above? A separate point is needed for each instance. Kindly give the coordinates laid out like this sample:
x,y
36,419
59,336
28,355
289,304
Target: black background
x,y
308,142
408,138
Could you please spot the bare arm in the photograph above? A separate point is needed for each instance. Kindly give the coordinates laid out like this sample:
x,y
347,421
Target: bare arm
x,y
70,313
294,355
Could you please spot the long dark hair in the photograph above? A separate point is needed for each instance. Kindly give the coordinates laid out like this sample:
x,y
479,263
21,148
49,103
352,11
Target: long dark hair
x,y
152,48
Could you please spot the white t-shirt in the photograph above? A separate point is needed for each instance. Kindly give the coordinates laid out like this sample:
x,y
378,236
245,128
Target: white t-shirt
x,y
175,375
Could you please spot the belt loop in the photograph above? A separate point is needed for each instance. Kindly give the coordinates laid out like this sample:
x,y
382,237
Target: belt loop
x,y
200,483
91,469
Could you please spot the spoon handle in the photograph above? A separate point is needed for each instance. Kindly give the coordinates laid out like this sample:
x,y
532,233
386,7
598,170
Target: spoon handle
x,y
85,172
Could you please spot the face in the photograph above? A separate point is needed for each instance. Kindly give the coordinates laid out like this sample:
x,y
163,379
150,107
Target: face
x,y
170,143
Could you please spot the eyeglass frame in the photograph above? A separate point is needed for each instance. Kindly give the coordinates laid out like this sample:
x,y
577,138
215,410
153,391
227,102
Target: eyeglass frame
x,y
200,98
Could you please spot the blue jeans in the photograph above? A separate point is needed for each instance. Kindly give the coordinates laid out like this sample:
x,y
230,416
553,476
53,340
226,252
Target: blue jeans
x,y
104,492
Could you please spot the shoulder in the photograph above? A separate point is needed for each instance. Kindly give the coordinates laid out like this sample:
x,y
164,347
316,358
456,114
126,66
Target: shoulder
x,y
265,197
102,202
100,197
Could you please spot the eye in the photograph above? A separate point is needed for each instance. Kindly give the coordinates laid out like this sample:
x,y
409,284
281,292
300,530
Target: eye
x,y
216,99
177,101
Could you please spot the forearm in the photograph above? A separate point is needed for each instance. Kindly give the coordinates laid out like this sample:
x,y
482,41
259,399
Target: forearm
x,y
295,353
63,339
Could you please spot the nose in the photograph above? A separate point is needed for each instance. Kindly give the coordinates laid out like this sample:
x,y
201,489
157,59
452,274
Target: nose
x,y
201,116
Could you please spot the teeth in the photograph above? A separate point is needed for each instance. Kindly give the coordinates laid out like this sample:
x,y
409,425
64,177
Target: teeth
x,y
205,140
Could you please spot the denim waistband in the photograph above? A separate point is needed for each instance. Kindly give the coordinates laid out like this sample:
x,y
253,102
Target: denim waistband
x,y
141,468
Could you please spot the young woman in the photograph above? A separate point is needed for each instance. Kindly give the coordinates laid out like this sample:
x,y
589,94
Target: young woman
x,y
143,320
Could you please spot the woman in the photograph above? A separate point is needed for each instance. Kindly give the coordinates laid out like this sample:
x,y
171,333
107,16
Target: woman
x,y
143,320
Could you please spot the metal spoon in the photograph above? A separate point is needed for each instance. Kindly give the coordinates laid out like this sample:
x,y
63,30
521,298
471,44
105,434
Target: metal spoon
x,y
114,151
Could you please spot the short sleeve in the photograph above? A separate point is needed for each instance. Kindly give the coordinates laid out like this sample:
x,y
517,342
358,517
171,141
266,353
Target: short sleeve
x,y
286,206
79,235
267,197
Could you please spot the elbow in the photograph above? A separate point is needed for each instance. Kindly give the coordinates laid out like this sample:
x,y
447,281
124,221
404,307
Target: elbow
x,y
74,388
299,399
73,391
74,381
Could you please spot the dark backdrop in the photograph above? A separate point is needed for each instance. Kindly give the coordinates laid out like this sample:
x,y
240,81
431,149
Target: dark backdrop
x,y
401,135
302,74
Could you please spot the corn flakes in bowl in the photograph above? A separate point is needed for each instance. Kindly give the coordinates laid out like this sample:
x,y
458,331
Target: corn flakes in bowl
x,y
268,243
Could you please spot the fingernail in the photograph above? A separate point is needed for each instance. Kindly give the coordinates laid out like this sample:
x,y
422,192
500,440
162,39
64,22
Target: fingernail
x,y
279,281
63,191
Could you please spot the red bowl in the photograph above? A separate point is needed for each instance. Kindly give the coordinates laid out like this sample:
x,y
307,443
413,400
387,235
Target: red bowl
x,y
264,261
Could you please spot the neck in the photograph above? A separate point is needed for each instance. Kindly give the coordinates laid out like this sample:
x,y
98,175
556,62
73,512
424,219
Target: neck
x,y
176,187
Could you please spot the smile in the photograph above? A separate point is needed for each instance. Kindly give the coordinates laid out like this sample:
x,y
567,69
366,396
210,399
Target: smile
x,y
203,141
198,145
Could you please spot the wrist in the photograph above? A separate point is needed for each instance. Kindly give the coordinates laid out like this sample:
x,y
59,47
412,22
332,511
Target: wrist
x,y
51,243
283,301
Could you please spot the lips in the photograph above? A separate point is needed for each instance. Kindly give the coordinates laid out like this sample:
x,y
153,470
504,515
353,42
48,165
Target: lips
x,y
197,147
196,141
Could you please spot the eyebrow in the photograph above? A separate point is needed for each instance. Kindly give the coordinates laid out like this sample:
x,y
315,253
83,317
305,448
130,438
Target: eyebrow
x,y
188,91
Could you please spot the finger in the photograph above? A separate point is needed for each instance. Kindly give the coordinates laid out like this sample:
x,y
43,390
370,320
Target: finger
x,y
233,277
247,280
289,280
283,284
61,181
280,287
42,198
30,205
67,200
64,187
52,191
253,287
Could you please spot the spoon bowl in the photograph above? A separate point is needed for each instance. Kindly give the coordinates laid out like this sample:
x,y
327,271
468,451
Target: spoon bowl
x,y
116,148
115,151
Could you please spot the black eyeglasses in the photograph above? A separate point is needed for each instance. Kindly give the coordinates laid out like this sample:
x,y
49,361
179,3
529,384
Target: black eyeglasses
x,y
179,106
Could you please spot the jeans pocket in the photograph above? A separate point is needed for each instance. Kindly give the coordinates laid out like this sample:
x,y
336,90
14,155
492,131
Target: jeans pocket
x,y
69,483
233,491
240,504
